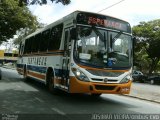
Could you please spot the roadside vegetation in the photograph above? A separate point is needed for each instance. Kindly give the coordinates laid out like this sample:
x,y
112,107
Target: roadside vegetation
x,y
147,42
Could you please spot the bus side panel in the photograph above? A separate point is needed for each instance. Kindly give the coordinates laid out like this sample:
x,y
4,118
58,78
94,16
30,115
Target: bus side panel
x,y
36,66
38,72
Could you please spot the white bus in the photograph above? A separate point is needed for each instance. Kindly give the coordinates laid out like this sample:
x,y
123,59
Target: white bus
x,y
81,53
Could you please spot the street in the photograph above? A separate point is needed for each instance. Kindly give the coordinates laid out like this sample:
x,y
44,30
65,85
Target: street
x,y
18,96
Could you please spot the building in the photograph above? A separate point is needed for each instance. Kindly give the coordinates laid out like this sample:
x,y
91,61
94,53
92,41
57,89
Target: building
x,y
6,57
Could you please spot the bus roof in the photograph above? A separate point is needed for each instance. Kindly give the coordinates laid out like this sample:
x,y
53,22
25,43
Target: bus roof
x,y
71,15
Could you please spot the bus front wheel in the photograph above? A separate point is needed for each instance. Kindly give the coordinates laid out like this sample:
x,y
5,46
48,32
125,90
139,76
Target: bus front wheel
x,y
96,94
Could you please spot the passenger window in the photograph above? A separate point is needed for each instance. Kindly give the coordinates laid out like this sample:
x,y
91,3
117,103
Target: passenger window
x,y
35,43
44,40
55,37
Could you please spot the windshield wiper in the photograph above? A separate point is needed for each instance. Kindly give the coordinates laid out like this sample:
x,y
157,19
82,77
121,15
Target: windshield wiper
x,y
116,37
102,37
112,40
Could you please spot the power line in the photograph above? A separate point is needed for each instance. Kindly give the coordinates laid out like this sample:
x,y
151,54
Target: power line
x,y
111,6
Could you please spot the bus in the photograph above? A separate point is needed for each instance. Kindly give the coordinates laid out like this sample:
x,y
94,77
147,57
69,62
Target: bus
x,y
83,52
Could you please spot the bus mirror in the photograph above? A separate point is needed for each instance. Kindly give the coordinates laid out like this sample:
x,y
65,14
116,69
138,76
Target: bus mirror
x,y
73,33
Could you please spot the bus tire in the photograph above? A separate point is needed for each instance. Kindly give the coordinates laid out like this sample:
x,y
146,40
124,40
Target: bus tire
x,y
96,94
50,82
25,73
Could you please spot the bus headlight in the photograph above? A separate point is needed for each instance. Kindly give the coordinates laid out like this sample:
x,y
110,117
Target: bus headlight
x,y
80,75
126,79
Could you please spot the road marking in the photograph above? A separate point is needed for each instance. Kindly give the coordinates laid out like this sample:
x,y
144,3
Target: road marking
x,y
58,111
39,99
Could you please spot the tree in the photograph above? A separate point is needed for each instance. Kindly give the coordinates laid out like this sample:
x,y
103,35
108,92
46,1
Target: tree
x,y
41,2
147,47
14,18
23,32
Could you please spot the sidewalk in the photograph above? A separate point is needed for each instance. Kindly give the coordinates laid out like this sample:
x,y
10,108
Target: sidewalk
x,y
145,91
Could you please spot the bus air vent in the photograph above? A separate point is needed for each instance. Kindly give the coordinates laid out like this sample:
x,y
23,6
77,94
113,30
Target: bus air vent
x,y
95,79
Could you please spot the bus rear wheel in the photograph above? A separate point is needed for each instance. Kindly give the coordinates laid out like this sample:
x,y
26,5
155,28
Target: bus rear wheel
x,y
25,74
50,82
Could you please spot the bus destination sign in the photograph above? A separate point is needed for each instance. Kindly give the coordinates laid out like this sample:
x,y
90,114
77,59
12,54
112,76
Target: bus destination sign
x,y
103,21
106,23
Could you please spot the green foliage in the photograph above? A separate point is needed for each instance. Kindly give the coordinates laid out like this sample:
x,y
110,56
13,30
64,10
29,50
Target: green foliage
x,y
41,2
147,53
14,18
22,33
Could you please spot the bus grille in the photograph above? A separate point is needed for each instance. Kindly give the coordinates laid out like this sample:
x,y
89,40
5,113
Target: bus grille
x,y
103,87
104,73
101,80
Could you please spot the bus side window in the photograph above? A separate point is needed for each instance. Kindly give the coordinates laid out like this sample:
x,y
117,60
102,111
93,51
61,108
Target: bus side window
x,y
32,45
28,46
44,40
52,40
35,43
55,37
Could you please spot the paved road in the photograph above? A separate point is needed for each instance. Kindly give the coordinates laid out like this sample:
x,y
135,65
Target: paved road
x,y
32,99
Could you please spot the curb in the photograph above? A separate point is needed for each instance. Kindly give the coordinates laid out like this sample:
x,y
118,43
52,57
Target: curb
x,y
141,98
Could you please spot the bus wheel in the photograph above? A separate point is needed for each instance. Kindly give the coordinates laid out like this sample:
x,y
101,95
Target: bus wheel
x,y
25,74
50,82
96,94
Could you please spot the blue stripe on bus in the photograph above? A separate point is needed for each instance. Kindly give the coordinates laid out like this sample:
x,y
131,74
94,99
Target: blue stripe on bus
x,y
40,69
37,68
58,72
20,65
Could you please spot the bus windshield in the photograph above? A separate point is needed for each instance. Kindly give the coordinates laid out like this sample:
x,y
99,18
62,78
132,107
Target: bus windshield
x,y
102,48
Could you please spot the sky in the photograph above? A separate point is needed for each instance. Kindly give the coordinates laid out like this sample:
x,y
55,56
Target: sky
x,y
133,11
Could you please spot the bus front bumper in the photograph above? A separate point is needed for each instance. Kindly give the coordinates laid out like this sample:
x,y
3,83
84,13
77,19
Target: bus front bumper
x,y
77,86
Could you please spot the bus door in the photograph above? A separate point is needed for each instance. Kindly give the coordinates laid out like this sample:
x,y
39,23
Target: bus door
x,y
66,58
